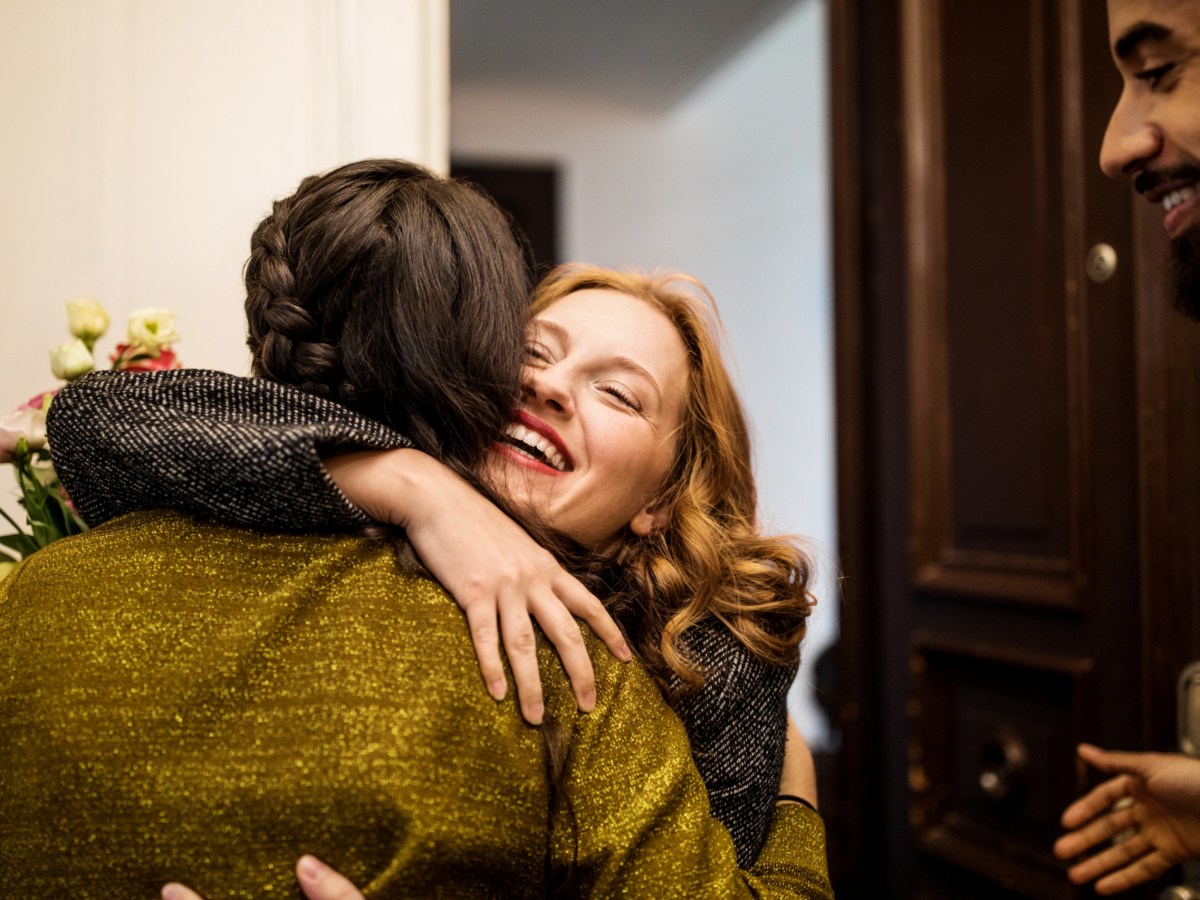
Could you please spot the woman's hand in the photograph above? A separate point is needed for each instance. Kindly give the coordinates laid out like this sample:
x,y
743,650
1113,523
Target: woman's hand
x,y
317,881
799,777
492,567
1151,809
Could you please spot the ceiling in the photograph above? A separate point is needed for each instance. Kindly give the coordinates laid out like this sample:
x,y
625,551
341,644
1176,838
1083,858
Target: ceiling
x,y
642,53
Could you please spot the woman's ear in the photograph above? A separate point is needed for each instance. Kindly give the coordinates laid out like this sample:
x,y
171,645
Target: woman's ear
x,y
650,519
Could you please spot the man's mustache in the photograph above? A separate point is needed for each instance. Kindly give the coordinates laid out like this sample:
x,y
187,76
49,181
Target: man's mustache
x,y
1147,180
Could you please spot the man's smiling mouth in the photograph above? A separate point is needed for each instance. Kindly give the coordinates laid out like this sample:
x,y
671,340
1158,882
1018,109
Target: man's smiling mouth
x,y
1176,191
1174,198
526,440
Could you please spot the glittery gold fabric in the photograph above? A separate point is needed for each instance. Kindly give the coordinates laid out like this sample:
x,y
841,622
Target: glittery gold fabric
x,y
184,701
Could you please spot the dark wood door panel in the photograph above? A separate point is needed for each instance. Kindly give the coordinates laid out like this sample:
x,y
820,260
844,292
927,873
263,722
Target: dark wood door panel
x,y
1022,448
1008,450
1002,406
991,760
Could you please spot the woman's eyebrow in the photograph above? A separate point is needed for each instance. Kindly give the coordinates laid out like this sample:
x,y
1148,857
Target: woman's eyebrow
x,y
620,362
630,365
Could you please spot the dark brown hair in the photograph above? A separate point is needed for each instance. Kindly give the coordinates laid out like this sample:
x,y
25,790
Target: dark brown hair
x,y
398,293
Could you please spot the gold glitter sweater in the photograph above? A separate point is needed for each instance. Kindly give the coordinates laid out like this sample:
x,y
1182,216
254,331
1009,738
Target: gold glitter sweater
x,y
185,701
247,452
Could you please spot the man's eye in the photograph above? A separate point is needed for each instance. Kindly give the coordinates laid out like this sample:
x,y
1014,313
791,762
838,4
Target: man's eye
x,y
1154,76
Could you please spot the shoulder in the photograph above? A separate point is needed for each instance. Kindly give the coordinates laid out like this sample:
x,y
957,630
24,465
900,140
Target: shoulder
x,y
626,694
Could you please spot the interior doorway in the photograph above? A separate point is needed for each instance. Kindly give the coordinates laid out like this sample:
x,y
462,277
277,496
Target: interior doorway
x,y
688,135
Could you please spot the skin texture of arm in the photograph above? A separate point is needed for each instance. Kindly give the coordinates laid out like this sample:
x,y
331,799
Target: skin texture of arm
x,y
1159,796
799,778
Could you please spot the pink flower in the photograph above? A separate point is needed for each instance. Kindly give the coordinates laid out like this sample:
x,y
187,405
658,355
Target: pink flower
x,y
130,358
40,401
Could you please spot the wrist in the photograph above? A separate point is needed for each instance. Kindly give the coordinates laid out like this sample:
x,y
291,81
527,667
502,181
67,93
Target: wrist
x,y
385,484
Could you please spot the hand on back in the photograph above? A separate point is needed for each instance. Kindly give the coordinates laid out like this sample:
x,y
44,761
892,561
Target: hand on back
x,y
498,574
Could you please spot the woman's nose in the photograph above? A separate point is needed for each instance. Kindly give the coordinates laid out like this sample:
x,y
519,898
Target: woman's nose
x,y
1130,140
547,386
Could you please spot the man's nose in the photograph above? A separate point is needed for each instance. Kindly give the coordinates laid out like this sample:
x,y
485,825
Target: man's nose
x,y
1130,141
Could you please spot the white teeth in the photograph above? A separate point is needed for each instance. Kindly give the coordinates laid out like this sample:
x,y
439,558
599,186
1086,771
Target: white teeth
x,y
530,438
1174,198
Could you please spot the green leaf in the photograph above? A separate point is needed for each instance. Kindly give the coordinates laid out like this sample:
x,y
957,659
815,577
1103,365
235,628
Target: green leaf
x,y
22,543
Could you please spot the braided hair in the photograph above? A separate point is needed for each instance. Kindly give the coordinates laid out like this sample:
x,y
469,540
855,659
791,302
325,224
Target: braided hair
x,y
398,293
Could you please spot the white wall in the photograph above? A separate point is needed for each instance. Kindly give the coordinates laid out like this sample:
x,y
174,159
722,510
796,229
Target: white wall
x,y
732,187
144,140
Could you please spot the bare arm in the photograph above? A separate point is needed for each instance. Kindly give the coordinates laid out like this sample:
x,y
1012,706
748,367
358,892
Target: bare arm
x,y
799,778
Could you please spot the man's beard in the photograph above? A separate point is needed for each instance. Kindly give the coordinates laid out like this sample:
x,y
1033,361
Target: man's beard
x,y
1184,272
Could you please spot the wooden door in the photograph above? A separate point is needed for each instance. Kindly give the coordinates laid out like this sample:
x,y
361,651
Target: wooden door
x,y
1015,425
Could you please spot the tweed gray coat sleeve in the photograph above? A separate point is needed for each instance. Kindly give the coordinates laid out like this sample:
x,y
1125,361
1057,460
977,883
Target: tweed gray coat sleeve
x,y
241,450
737,723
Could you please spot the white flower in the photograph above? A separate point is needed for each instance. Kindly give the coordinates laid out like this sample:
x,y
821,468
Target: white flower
x,y
71,360
87,319
152,329
29,423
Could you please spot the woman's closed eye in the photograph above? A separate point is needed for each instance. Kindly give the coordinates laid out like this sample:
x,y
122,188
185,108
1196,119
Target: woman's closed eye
x,y
537,354
622,395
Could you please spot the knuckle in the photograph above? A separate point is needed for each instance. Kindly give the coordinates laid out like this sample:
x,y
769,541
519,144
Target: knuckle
x,y
571,638
522,642
484,631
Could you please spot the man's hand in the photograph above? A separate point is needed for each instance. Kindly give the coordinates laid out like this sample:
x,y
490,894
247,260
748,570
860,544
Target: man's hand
x,y
1151,808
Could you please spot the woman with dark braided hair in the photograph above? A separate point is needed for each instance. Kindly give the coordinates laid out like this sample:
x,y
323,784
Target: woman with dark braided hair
x,y
312,264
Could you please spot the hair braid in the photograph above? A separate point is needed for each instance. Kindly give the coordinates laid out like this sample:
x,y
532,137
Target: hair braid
x,y
398,293
285,338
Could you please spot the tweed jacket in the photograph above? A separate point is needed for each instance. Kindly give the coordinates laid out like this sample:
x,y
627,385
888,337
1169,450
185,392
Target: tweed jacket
x,y
247,452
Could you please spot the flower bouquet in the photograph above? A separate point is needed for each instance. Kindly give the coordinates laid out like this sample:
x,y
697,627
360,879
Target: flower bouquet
x,y
49,513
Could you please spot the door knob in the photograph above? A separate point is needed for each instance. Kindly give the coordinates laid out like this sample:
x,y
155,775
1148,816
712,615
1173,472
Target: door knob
x,y
1101,263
